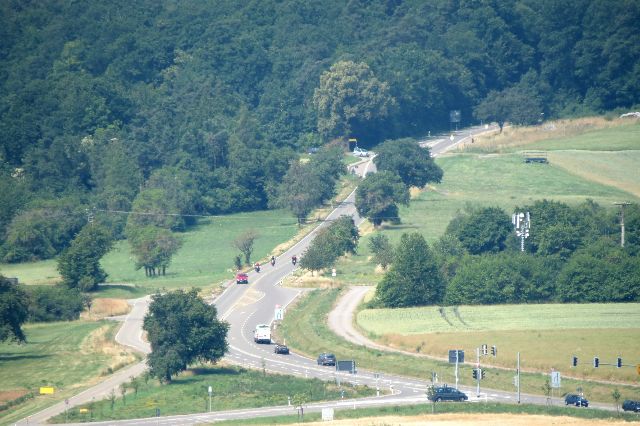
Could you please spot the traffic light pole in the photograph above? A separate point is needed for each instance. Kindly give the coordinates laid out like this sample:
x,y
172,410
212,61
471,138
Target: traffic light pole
x,y
478,370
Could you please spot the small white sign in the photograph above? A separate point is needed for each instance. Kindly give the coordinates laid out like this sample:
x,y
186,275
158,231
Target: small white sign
x,y
333,272
278,314
555,379
327,414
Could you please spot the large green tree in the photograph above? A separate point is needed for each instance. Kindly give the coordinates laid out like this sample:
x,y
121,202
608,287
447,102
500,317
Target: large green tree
x,y
153,248
13,311
409,160
482,230
338,238
414,278
349,92
378,196
79,265
182,329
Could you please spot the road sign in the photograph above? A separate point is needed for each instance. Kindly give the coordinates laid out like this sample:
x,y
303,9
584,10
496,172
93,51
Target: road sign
x,y
452,356
327,414
333,272
278,314
555,379
46,390
349,366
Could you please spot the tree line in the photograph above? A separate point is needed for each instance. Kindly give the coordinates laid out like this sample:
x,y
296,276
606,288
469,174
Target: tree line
x,y
201,108
573,254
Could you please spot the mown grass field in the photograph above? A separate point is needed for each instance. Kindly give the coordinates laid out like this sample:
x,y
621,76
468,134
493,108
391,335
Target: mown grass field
x,y
305,330
232,388
546,335
66,355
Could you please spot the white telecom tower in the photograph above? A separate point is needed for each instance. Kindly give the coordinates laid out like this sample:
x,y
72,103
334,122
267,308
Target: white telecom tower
x,y
522,223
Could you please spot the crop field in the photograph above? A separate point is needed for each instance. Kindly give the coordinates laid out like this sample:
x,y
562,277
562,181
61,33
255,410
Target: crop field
x,y
65,355
500,317
549,334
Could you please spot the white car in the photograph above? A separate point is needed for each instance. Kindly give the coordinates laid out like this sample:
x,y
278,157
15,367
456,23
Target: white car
x,y
359,152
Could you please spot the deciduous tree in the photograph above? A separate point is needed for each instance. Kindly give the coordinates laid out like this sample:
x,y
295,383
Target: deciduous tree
x,y
378,196
13,311
413,279
182,329
408,160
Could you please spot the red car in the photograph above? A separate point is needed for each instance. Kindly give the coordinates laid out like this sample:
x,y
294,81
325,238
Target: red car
x,y
242,278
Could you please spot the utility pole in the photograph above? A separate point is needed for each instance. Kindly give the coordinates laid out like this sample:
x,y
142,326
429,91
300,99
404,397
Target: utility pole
x,y
478,370
518,377
457,351
622,206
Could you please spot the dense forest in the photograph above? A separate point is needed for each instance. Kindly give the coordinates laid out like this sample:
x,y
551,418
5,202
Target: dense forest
x,y
197,107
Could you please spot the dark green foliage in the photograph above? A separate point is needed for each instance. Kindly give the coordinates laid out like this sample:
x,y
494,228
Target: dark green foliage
x,y
79,265
382,250
509,277
55,303
482,230
332,242
600,272
95,101
182,329
13,310
414,278
408,160
378,196
43,229
153,248
306,186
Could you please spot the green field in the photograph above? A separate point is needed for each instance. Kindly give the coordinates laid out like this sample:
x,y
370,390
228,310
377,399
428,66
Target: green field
x,y
204,260
305,330
232,388
65,355
432,319
546,335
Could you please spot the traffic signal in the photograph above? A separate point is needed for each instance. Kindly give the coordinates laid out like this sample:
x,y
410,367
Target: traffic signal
x,y
574,361
494,350
475,373
619,362
481,374
596,361
484,349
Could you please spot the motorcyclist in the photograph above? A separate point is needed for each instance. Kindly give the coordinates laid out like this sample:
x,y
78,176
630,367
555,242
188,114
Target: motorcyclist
x,y
257,267
294,259
273,261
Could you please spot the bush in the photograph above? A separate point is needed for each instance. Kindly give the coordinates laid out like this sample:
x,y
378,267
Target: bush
x,y
56,303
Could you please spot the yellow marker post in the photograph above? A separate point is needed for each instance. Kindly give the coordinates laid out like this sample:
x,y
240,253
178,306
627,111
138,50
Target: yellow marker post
x,y
47,390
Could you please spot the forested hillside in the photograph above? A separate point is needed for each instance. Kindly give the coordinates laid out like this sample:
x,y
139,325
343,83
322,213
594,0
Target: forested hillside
x,y
206,102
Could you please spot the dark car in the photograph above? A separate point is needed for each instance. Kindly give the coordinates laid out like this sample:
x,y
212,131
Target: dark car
x,y
281,349
327,359
577,400
447,393
630,405
242,278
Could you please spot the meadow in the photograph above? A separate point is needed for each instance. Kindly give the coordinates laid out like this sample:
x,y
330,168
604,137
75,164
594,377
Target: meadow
x,y
547,335
205,260
67,355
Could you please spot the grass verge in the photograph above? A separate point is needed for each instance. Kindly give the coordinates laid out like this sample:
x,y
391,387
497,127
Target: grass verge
x,y
232,387
306,331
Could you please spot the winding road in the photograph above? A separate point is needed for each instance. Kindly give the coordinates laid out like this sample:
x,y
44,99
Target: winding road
x,y
244,306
